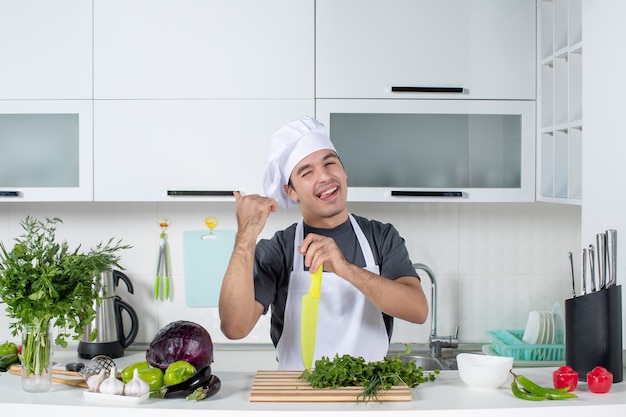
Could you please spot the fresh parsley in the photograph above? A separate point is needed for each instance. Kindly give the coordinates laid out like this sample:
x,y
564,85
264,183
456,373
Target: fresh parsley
x,y
42,281
374,377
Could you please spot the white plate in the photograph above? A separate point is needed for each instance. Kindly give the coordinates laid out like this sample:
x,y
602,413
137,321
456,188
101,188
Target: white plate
x,y
114,399
544,329
559,324
532,333
552,331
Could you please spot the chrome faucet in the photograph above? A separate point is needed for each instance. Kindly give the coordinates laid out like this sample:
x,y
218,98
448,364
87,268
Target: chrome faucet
x,y
436,342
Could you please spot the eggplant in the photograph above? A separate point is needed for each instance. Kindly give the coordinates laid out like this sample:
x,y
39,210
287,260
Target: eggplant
x,y
183,389
206,391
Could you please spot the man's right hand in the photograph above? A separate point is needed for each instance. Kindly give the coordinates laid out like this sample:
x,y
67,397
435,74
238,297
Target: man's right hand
x,y
252,212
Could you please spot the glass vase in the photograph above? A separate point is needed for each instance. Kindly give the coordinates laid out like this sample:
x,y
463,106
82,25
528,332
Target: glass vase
x,y
36,357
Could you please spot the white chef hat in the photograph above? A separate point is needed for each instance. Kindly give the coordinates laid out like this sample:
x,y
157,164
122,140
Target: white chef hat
x,y
288,146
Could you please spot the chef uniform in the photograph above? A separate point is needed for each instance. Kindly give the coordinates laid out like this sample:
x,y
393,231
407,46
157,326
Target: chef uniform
x,y
348,323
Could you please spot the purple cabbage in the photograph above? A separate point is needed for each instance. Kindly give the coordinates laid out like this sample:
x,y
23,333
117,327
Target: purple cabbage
x,y
181,341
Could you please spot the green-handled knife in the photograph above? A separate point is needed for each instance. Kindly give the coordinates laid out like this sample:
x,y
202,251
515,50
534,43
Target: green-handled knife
x,y
308,323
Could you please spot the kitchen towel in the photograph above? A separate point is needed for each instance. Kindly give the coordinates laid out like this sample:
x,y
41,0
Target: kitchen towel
x,y
206,258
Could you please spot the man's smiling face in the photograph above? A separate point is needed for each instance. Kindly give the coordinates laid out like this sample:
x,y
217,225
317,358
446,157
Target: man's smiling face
x,y
319,183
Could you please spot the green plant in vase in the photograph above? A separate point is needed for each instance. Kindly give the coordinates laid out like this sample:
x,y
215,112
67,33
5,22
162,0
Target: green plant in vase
x,y
44,284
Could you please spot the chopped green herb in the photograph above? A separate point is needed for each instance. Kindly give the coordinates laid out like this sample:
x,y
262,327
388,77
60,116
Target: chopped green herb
x,y
374,377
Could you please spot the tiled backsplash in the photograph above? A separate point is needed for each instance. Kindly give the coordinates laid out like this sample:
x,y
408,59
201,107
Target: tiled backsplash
x,y
493,262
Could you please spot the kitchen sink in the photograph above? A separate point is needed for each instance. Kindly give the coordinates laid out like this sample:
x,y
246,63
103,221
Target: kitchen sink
x,y
422,357
427,363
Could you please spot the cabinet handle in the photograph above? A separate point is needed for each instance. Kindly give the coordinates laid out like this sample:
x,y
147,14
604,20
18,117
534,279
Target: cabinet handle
x,y
400,89
200,193
395,193
10,194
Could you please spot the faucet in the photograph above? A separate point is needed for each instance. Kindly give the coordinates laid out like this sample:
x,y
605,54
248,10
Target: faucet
x,y
436,342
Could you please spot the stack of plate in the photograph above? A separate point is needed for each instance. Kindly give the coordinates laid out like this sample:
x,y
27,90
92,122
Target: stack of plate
x,y
540,328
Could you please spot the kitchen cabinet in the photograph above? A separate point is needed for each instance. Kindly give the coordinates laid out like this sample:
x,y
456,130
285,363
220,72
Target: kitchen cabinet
x,y
187,93
46,49
46,150
559,103
434,150
485,48
147,150
195,49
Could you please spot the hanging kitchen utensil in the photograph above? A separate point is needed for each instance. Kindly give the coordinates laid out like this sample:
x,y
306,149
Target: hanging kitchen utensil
x,y
163,264
308,323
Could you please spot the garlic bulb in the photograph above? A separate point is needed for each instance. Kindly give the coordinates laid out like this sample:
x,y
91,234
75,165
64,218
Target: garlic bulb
x,y
112,385
94,381
136,387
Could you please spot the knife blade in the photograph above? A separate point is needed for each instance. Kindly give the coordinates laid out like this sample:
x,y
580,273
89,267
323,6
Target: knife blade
x,y
308,320
583,274
611,251
601,265
571,271
592,268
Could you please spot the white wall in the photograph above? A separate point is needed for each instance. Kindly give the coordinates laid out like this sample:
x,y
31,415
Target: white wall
x,y
493,262
604,112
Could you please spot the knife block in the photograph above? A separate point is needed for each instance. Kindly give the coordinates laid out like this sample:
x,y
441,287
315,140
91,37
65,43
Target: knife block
x,y
593,332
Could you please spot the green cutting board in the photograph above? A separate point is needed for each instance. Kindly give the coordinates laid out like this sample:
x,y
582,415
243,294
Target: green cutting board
x,y
205,262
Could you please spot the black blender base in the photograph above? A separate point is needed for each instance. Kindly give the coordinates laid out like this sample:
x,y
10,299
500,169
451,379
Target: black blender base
x,y
90,350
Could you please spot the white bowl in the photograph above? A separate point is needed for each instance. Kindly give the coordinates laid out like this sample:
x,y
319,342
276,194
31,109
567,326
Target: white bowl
x,y
483,371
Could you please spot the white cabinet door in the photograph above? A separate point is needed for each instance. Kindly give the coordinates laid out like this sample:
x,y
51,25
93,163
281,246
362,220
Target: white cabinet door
x,y
45,49
434,150
203,49
485,47
46,150
147,148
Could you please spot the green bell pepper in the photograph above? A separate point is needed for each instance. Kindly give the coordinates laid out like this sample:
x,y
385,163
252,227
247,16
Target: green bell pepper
x,y
8,348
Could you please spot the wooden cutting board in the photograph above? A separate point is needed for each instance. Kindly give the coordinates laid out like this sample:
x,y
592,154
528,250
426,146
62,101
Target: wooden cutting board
x,y
285,386
78,381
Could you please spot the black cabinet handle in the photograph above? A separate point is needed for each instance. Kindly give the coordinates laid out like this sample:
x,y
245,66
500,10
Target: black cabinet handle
x,y
10,193
400,89
395,193
200,193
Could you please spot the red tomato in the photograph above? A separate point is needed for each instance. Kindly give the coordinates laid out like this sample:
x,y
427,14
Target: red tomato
x,y
565,376
599,380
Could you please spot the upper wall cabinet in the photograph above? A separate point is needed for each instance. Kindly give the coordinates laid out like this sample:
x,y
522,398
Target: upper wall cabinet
x,y
46,150
197,49
45,49
466,49
185,150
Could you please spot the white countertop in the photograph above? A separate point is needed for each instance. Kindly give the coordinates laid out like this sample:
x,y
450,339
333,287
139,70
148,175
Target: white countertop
x,y
447,396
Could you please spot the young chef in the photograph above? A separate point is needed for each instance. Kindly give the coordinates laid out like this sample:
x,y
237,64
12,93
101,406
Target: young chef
x,y
368,277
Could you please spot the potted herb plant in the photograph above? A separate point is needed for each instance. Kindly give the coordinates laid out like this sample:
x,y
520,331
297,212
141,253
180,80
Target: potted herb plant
x,y
46,285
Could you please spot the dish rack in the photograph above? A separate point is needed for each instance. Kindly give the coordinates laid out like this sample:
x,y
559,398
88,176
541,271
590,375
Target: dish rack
x,y
509,343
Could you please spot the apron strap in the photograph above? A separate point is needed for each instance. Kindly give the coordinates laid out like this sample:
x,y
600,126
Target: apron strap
x,y
298,259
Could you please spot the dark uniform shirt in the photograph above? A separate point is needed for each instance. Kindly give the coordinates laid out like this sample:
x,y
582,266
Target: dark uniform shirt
x,y
274,262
